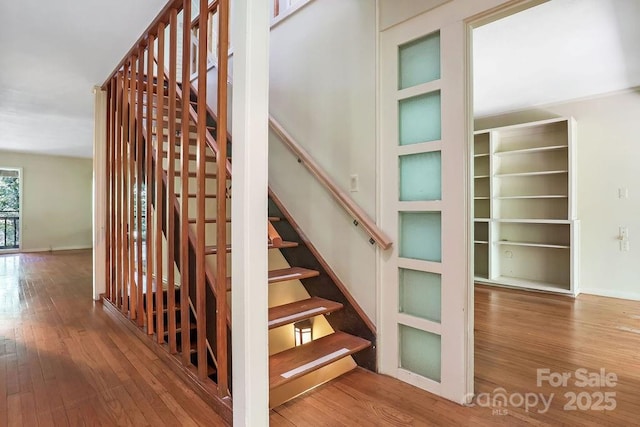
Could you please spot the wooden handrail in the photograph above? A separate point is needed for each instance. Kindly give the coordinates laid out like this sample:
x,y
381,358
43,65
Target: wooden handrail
x,y
347,203
274,236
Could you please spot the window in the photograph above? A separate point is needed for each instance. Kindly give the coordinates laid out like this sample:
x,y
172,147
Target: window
x,y
9,209
283,8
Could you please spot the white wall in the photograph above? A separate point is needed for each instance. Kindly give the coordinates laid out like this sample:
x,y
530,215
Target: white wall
x,y
393,12
56,205
323,91
607,151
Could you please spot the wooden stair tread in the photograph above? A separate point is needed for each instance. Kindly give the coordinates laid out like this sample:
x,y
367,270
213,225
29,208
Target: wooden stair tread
x,y
300,310
191,156
211,250
274,218
193,195
292,273
283,274
206,221
195,174
298,361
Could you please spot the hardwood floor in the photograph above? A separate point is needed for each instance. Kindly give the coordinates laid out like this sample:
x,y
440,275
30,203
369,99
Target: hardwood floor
x,y
516,333
64,361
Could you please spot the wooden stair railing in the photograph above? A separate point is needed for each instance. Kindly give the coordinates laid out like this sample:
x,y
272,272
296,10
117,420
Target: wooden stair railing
x,y
359,216
150,131
156,125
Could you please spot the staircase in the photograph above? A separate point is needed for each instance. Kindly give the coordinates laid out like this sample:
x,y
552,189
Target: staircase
x,y
352,335
170,272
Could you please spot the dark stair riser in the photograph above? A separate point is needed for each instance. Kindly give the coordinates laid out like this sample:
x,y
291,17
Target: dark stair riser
x,y
347,320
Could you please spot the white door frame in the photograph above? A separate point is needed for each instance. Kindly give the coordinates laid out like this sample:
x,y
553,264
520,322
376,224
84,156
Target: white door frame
x,y
454,20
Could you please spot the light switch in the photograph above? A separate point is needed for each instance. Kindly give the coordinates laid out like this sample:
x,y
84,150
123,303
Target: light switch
x,y
354,183
623,193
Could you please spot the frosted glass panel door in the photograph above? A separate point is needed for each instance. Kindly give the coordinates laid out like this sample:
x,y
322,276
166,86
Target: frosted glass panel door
x,y
423,164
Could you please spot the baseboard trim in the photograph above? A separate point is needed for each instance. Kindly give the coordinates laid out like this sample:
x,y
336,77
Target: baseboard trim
x,y
57,249
632,296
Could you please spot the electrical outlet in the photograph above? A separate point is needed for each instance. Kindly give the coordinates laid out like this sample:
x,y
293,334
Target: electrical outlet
x,y
624,233
624,245
354,183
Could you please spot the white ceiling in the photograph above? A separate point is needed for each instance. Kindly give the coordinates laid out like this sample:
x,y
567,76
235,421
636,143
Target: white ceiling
x,y
52,53
557,51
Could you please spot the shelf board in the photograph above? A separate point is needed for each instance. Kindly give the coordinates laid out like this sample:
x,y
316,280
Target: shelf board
x,y
481,198
532,244
481,242
536,173
541,196
533,220
532,284
481,155
531,150
480,176
481,219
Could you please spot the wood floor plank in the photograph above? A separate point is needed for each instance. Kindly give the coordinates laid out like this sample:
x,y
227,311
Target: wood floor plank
x,y
65,362
516,333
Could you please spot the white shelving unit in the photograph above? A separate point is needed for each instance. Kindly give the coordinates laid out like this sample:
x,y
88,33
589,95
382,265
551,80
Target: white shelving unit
x,y
525,228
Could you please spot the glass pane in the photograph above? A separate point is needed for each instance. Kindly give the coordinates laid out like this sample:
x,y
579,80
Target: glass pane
x,y
419,61
420,294
420,352
421,176
420,118
420,235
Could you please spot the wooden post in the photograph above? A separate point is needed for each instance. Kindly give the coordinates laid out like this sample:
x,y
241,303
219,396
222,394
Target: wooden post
x,y
108,194
171,193
160,200
124,238
201,306
118,192
133,293
139,180
149,176
221,191
185,309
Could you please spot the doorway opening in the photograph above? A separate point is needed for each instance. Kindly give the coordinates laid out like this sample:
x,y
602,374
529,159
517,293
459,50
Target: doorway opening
x,y
10,184
556,91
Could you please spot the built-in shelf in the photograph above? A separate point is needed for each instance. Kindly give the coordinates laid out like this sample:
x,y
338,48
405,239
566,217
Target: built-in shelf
x,y
532,244
532,284
530,150
541,196
536,173
525,231
532,220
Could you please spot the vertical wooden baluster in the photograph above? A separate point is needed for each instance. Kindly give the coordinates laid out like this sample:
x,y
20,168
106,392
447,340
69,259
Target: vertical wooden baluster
x,y
200,197
118,191
221,224
160,199
139,179
133,293
113,233
125,195
107,217
149,170
185,310
171,196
